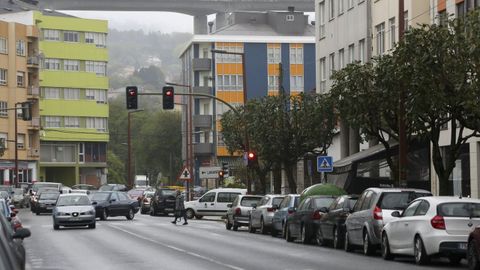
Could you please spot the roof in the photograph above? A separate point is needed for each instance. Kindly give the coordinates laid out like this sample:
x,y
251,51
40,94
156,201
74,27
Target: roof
x,y
377,149
441,199
73,194
13,6
249,29
399,190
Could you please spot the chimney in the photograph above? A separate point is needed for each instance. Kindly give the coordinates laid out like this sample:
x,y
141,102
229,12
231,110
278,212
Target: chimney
x,y
210,27
291,9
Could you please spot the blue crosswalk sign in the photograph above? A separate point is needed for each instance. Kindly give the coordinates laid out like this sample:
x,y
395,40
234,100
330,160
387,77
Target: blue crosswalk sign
x,y
324,164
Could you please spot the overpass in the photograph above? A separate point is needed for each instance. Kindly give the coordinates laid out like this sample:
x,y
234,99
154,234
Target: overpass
x,y
197,8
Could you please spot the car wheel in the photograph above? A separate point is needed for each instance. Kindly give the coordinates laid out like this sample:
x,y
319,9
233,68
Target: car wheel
x,y
251,229
472,256
337,239
347,246
455,260
235,225
37,213
284,231
305,238
273,231
56,227
104,215
198,217
319,238
130,214
228,225
288,236
386,254
92,226
263,229
152,211
367,245
421,256
190,213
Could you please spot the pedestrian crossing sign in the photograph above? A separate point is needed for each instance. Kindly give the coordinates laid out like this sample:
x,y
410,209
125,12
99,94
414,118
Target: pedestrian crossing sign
x,y
324,164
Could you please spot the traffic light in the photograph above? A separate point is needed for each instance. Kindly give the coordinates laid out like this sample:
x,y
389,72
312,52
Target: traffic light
x,y
168,96
225,169
221,176
26,111
132,97
252,158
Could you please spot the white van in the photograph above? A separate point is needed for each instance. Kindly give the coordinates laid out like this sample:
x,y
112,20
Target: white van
x,y
213,203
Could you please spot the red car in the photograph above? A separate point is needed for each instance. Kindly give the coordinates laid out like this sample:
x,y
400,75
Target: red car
x,y
473,249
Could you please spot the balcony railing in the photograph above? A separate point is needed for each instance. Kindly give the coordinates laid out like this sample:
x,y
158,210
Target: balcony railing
x,y
33,91
33,61
202,121
202,90
33,152
202,64
35,123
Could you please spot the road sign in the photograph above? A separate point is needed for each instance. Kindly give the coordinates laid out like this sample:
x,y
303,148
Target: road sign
x,y
209,172
324,164
185,175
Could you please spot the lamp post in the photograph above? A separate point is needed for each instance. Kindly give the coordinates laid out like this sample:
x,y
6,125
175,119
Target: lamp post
x,y
245,99
129,143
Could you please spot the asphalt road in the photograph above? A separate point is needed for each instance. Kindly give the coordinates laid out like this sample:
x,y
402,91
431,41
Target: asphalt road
x,y
154,243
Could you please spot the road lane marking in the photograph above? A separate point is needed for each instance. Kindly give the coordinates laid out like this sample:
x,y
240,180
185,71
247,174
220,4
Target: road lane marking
x,y
179,249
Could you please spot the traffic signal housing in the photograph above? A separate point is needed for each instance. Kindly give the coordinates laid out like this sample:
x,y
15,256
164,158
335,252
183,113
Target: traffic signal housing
x,y
132,97
168,97
252,158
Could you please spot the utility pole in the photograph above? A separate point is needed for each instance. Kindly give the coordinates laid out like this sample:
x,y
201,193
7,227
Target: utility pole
x,y
402,133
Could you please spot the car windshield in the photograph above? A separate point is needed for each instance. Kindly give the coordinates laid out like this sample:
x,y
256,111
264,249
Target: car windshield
x,y
168,192
73,200
49,196
39,186
459,209
248,201
100,196
323,202
106,188
396,200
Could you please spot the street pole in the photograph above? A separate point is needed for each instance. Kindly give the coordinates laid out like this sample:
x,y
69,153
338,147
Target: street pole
x,y
15,181
129,143
402,134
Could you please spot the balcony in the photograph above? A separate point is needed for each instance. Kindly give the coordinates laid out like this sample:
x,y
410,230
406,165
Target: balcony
x,y
35,123
202,121
33,61
203,149
33,152
202,90
33,91
202,64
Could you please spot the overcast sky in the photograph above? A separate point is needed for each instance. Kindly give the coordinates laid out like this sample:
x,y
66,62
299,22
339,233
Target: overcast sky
x,y
165,22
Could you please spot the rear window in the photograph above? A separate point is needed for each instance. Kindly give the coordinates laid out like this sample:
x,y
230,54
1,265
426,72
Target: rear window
x,y
398,200
248,201
168,192
323,202
459,210
277,201
297,201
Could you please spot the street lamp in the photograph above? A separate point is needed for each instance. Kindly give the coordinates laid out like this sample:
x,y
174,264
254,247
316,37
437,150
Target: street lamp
x,y
129,143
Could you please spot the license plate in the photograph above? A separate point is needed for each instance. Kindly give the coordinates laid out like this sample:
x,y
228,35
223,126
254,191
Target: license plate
x,y
168,209
462,246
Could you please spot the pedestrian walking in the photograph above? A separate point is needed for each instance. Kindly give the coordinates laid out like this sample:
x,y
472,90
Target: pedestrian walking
x,y
180,209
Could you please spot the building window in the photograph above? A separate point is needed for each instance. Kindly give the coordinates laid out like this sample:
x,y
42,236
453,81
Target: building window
x,y
71,65
99,68
52,121
51,64
3,109
296,55
323,75
290,18
3,76
341,58
340,7
229,58
361,51
50,34
332,64
51,93
380,36
98,123
20,141
296,83
98,95
274,54
4,137
21,47
99,39
392,34
351,53
460,9
443,18
20,79
69,36
351,4
71,122
71,93
331,13
321,19
273,83
3,45
405,20
229,82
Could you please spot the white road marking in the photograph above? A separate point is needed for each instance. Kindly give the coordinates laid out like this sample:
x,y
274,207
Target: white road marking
x,y
180,249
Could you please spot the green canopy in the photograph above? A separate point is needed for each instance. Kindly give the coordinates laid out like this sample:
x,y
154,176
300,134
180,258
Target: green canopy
x,y
322,189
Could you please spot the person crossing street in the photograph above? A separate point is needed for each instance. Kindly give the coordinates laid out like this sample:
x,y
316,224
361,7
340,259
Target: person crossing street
x,y
180,208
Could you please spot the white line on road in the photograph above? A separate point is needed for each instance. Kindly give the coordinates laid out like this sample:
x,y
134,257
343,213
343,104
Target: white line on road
x,y
178,249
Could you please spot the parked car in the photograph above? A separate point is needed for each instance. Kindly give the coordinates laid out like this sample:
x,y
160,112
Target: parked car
x,y
238,212
429,226
332,223
473,249
285,209
39,185
113,187
304,222
73,210
34,198
145,201
83,187
12,252
8,189
113,204
262,214
213,203
136,194
163,201
372,211
46,202
19,199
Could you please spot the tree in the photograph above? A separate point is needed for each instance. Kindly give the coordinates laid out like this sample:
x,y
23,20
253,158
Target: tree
x,y
116,169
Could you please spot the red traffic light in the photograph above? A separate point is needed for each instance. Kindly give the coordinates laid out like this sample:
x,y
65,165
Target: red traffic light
x,y
221,173
251,155
132,92
169,93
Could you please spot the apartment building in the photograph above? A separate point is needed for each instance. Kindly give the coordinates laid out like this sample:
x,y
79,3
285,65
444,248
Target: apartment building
x,y
18,84
73,96
266,39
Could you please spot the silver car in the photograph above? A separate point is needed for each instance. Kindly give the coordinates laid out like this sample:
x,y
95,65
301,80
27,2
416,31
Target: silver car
x,y
239,211
73,210
262,214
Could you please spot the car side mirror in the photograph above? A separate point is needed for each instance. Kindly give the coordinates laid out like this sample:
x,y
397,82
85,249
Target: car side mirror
x,y
113,200
94,203
323,209
21,233
396,214
254,206
229,205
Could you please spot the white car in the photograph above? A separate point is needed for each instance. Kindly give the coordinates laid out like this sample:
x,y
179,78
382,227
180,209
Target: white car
x,y
213,203
432,226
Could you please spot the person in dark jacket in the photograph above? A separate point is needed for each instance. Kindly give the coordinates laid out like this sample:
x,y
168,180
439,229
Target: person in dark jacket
x,y
180,208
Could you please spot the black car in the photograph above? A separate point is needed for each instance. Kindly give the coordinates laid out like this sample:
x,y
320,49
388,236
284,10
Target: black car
x,y
12,252
332,224
304,221
46,202
163,201
36,195
114,204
